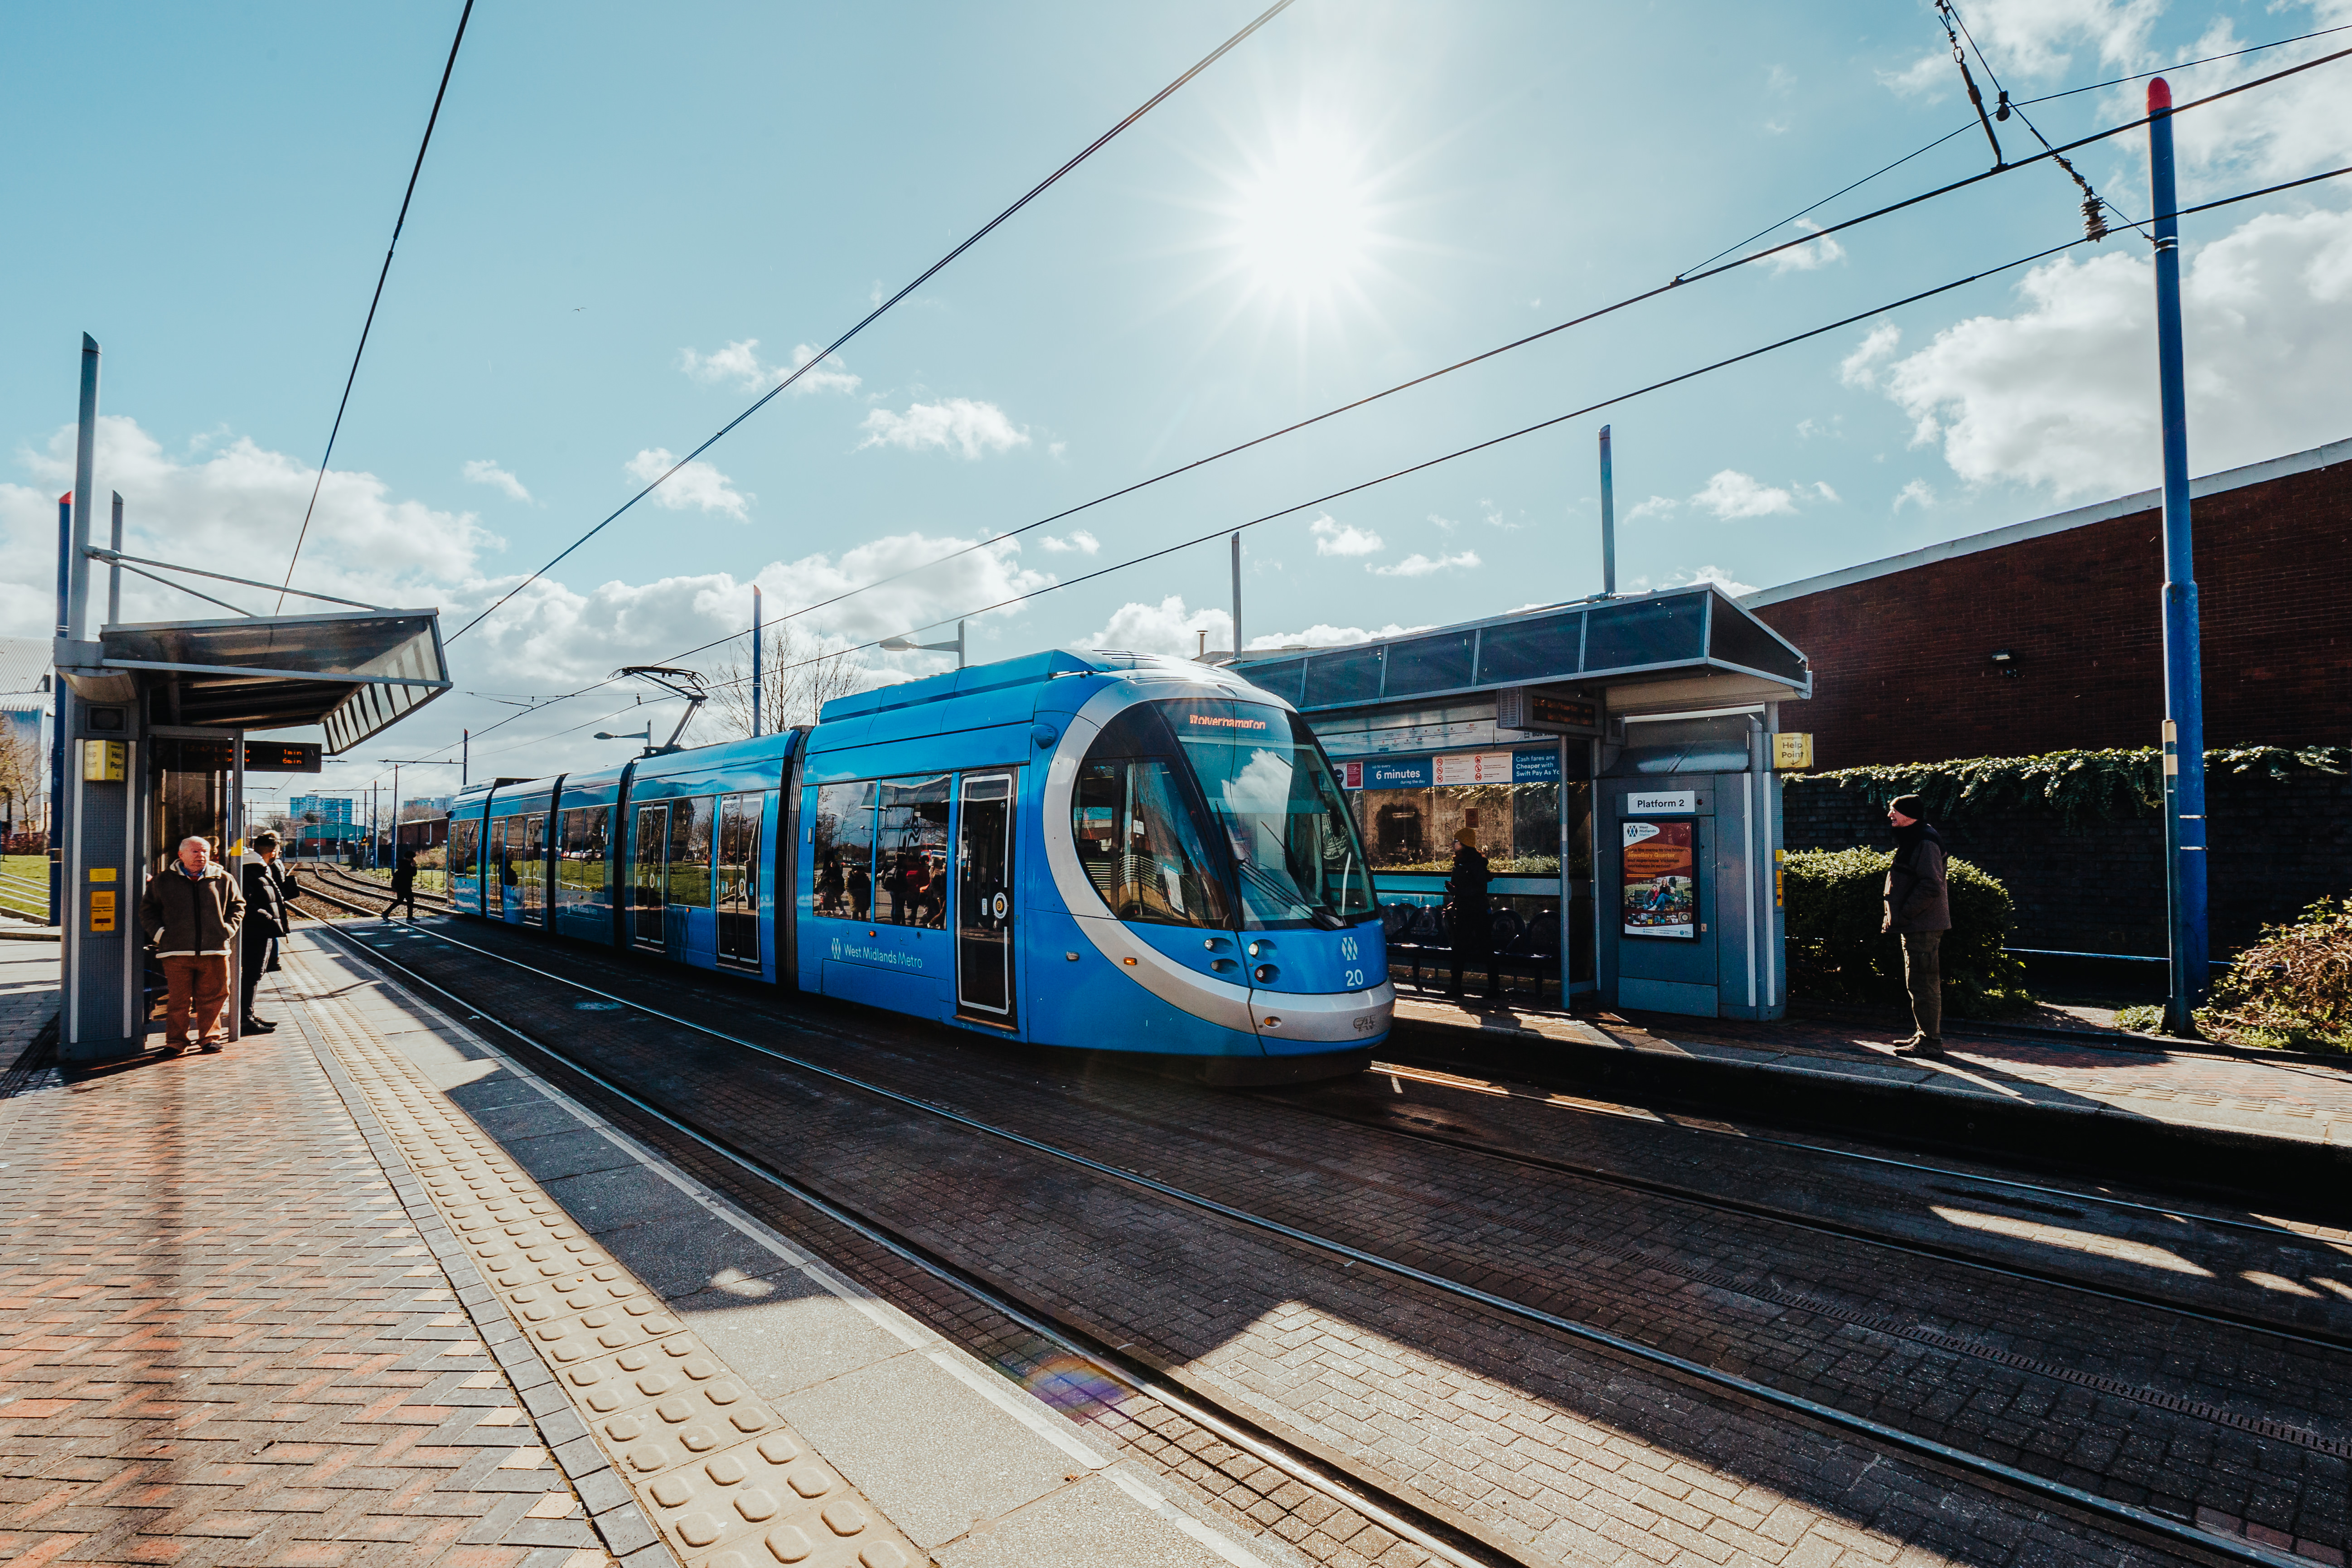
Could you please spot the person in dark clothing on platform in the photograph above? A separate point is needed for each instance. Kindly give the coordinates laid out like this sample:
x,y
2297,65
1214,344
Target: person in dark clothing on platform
x,y
1471,916
190,912
266,920
1919,911
403,884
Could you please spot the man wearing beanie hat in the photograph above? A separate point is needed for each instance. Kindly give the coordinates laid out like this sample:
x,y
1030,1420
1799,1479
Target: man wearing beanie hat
x,y
1919,911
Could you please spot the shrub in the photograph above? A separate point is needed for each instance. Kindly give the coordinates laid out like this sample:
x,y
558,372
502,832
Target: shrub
x,y
2293,989
1837,953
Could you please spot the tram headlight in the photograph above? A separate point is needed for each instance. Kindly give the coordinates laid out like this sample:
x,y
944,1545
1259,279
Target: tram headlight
x,y
1265,974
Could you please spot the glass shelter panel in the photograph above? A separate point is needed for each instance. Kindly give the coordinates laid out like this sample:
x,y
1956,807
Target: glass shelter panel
x,y
1431,664
1347,675
1531,650
1644,631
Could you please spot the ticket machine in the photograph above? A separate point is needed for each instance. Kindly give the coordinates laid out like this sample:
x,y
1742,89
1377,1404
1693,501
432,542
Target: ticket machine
x,y
1685,838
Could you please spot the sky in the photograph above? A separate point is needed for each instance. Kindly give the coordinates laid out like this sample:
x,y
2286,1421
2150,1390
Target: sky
x,y
631,223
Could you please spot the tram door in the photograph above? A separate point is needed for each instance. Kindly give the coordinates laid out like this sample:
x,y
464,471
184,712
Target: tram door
x,y
739,881
648,888
985,900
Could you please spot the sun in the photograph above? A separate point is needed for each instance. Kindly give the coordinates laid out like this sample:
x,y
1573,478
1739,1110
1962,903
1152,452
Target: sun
x,y
1302,219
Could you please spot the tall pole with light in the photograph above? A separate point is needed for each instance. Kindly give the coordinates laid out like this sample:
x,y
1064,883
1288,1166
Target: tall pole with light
x,y
909,645
2184,702
755,661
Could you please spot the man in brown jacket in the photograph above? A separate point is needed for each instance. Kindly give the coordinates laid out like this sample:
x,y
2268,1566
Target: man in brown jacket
x,y
190,911
1919,909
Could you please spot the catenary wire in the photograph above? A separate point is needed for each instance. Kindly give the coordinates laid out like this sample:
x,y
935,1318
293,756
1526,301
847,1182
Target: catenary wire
x,y
1561,418
1222,531
2184,65
1696,275
974,238
1680,280
406,196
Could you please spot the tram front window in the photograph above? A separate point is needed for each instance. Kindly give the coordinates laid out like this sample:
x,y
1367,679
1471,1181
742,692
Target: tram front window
x,y
1141,842
1296,856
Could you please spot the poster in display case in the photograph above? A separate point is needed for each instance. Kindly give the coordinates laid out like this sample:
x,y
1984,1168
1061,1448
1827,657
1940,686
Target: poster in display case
x,y
1658,895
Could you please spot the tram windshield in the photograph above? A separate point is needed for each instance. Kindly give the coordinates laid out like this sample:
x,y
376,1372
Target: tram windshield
x,y
1182,805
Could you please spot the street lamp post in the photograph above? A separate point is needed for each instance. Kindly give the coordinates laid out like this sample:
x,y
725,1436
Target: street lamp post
x,y
909,645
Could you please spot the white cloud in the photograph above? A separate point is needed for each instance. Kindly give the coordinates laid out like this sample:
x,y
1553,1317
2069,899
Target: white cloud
x,y
740,362
1714,574
2038,40
1918,493
959,424
229,506
1165,627
1810,257
1821,489
1860,368
1322,634
486,471
1731,494
1419,565
1656,506
1334,538
698,484
1808,428
1445,524
1080,541
2062,394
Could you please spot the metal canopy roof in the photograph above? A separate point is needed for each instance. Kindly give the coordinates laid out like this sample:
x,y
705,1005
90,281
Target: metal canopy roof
x,y
355,673
1621,641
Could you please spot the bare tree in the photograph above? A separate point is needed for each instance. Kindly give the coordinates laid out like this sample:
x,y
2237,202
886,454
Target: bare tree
x,y
23,771
800,679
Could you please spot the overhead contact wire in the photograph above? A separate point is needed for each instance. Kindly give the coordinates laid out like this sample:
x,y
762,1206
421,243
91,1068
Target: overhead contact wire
x,y
398,224
974,238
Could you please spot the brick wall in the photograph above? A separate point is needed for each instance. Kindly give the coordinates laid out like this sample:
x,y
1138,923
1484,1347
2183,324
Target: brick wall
x,y
2275,847
1903,668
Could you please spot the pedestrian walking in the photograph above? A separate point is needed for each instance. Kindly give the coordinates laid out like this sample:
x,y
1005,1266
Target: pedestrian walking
x,y
1471,916
266,920
190,912
1919,911
403,884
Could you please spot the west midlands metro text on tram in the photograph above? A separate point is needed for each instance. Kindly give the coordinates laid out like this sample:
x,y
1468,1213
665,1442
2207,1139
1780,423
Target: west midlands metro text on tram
x,y
1105,851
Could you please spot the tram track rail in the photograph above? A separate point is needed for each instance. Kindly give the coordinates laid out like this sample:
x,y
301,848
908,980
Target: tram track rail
x,y
1821,1225
1997,1475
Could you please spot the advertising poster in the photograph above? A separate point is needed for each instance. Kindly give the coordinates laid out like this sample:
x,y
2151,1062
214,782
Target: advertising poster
x,y
1660,894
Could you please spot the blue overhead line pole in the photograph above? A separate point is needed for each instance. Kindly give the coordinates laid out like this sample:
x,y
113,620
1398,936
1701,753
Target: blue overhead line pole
x,y
2184,702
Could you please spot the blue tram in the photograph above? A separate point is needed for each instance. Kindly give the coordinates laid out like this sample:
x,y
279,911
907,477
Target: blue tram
x,y
1106,850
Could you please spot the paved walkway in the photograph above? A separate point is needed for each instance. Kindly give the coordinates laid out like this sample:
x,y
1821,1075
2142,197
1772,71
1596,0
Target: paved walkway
x,y
2294,1101
365,1290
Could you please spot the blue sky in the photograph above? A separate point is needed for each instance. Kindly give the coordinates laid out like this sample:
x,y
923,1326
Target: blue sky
x,y
628,220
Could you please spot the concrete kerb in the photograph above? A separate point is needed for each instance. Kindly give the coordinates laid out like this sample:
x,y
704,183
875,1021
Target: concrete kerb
x,y
2282,1162
1202,1531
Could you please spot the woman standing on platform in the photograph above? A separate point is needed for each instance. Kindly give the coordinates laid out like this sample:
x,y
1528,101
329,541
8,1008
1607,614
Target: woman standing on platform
x,y
1472,916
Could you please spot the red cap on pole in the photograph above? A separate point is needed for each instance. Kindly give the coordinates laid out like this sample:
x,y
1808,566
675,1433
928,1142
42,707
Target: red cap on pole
x,y
2159,96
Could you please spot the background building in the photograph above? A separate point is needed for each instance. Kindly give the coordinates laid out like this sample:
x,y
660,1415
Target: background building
x,y
2045,635
26,699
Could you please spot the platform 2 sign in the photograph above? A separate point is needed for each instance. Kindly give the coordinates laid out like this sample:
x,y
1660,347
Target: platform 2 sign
x,y
1658,895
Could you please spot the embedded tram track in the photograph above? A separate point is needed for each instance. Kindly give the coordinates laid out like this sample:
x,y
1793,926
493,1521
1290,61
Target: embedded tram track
x,y
1997,1475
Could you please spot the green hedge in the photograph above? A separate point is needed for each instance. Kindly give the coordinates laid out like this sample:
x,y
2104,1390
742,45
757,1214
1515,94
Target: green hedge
x,y
1837,954
2080,787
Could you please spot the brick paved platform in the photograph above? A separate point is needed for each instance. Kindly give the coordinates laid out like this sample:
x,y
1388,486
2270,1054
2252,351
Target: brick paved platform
x,y
2155,1111
361,1291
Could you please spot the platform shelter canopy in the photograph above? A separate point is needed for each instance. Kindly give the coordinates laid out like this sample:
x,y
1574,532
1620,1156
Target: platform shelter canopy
x,y
1617,641
354,674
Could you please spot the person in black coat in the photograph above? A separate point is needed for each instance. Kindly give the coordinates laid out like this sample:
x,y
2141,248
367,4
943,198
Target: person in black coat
x,y
266,920
403,884
1472,915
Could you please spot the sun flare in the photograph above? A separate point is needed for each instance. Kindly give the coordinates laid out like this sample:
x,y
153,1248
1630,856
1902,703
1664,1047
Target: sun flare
x,y
1303,220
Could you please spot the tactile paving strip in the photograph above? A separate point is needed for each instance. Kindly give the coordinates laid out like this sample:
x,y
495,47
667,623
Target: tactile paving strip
x,y
723,1478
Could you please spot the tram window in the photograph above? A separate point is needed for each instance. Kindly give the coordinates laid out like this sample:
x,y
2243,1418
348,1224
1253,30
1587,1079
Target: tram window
x,y
841,843
1295,845
910,853
739,852
506,843
530,857
580,854
690,822
464,836
1142,844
